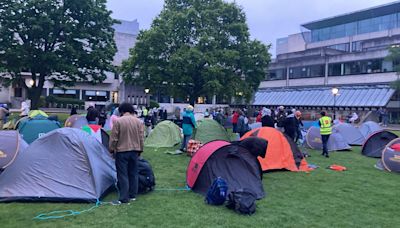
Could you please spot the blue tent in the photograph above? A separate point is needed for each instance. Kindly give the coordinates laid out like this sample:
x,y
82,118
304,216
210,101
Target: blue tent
x,y
36,127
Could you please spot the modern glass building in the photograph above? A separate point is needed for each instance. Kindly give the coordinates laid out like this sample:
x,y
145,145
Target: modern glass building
x,y
346,51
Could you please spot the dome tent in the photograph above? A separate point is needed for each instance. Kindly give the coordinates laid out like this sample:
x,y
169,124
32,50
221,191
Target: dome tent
x,y
350,134
336,141
236,163
376,143
390,160
165,134
36,127
11,144
368,128
279,154
78,168
76,121
209,130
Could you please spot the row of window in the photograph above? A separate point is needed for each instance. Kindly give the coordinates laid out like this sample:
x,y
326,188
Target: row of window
x,y
358,27
335,69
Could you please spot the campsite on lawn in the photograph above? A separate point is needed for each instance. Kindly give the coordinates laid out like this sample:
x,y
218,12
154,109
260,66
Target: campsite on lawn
x,y
362,196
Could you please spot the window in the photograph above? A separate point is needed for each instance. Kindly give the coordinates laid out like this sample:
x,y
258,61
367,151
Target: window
x,y
370,66
92,95
307,71
116,75
374,24
278,74
356,46
17,92
341,47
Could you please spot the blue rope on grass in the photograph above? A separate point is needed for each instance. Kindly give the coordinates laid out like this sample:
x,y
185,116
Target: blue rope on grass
x,y
66,213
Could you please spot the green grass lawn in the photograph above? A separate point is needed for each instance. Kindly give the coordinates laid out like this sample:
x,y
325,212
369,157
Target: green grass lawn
x,y
360,197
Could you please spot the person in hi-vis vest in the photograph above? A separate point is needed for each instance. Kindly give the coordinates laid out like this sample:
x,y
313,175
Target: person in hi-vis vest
x,y
325,122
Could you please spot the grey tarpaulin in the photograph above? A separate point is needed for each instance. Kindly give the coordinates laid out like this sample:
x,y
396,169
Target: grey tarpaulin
x,y
64,165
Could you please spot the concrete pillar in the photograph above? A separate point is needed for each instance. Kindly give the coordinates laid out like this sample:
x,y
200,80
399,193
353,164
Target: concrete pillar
x,y
171,100
214,100
326,81
80,94
47,91
287,76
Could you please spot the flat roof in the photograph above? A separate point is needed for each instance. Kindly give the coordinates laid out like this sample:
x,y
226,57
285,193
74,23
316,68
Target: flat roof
x,y
381,10
349,96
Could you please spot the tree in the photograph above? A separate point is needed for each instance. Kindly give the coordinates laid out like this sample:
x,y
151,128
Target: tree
x,y
63,41
198,48
394,56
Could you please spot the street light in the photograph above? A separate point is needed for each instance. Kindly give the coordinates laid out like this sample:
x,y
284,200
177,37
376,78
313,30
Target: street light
x,y
335,92
147,91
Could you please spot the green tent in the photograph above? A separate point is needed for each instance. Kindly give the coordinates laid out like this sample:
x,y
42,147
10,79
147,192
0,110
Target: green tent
x,y
165,134
210,130
33,128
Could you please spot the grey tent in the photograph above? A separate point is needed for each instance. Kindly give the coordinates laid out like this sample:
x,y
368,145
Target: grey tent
x,y
336,141
11,144
351,134
64,165
255,125
369,128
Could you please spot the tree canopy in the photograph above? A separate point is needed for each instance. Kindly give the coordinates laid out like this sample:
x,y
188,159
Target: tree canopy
x,y
63,41
394,56
198,48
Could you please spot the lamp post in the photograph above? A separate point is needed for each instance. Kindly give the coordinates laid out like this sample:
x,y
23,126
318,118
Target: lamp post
x,y
147,91
335,92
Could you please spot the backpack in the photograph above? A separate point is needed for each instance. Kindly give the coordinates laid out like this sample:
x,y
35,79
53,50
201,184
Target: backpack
x,y
242,201
216,194
146,177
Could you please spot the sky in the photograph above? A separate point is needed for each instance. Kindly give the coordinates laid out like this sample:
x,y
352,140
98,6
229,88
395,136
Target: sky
x,y
268,20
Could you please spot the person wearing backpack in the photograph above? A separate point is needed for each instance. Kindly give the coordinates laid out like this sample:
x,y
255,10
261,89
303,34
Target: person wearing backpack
x,y
126,143
242,124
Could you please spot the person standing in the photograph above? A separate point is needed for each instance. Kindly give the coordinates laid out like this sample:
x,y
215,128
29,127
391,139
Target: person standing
x,y
289,124
242,126
188,124
25,108
92,114
3,116
385,118
299,126
266,118
325,123
126,143
73,111
235,118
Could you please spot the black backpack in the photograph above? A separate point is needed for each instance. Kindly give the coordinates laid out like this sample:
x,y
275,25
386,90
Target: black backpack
x,y
146,176
216,194
242,201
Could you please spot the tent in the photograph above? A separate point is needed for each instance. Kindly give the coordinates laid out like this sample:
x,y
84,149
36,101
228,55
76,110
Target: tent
x,y
233,162
65,165
210,130
97,132
279,154
368,128
390,160
255,125
37,113
376,143
10,125
165,134
336,141
76,121
33,128
11,144
351,134
198,116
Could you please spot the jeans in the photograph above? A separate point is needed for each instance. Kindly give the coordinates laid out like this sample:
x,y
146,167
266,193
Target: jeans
x,y
185,141
127,174
325,139
234,127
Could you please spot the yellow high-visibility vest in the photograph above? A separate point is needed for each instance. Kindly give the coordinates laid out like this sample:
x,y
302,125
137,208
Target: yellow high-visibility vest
x,y
326,126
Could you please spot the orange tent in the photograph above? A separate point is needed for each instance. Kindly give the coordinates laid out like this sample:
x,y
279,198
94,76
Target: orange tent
x,y
282,152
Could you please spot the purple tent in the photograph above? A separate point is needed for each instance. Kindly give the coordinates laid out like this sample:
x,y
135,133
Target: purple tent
x,y
335,143
11,144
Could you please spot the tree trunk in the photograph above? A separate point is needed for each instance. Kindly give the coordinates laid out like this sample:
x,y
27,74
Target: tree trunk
x,y
35,92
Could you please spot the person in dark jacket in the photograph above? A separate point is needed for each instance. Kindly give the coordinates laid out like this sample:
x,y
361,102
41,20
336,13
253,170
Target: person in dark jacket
x,y
290,125
102,117
73,111
165,115
280,117
242,126
266,119
92,115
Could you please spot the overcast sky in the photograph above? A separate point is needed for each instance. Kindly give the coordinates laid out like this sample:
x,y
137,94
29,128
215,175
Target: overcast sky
x,y
267,19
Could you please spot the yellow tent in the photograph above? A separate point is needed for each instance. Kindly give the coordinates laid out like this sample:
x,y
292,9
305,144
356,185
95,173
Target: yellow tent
x,y
35,113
